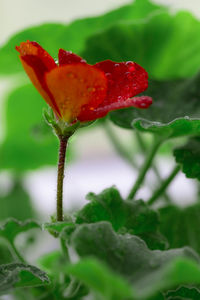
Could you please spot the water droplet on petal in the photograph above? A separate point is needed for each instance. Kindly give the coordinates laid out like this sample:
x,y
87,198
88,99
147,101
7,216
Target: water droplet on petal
x,y
119,98
71,75
131,66
108,75
91,89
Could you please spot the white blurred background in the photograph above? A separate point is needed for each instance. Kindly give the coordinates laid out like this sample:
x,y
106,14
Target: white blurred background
x,y
97,165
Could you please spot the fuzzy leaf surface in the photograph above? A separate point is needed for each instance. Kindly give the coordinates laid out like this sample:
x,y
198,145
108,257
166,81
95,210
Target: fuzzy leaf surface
x,y
189,158
133,217
148,271
17,275
175,220
184,293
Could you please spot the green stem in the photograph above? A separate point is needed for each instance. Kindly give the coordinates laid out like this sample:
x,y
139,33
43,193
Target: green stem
x,y
118,146
60,176
64,249
17,254
165,184
144,168
154,167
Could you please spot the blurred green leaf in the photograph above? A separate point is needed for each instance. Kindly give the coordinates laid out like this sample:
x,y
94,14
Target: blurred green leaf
x,y
187,293
11,228
55,228
62,286
134,217
174,112
16,204
189,158
153,43
72,36
29,142
181,226
17,275
6,256
52,262
101,280
148,271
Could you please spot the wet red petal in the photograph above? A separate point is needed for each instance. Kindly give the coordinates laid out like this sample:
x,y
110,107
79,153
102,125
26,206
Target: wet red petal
x,y
37,62
125,80
67,57
33,48
74,86
101,111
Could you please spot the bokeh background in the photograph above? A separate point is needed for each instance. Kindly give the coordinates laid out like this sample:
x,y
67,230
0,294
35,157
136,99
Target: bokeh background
x,y
93,164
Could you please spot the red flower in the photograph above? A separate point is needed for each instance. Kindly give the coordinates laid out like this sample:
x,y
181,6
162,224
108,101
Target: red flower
x,y
76,90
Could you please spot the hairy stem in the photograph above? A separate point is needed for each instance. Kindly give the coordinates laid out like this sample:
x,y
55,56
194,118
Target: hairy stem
x,y
165,184
144,169
60,176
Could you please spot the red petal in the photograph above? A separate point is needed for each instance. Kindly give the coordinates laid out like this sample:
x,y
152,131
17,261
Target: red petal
x,y
138,102
67,57
75,86
125,80
37,62
34,49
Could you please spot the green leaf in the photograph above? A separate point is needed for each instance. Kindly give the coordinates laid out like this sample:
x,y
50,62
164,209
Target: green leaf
x,y
148,271
189,157
174,221
100,240
17,275
180,271
134,217
101,280
187,293
6,256
56,228
29,142
50,262
16,204
153,43
11,228
72,36
174,112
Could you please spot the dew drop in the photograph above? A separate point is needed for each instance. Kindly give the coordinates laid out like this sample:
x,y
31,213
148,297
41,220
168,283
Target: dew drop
x,y
101,89
91,89
71,75
131,66
143,104
108,75
119,98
